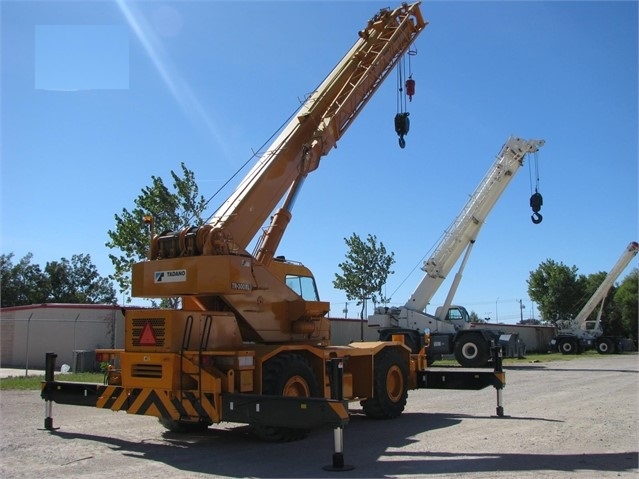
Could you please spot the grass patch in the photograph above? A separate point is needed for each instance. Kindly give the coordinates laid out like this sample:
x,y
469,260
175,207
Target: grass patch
x,y
33,382
551,357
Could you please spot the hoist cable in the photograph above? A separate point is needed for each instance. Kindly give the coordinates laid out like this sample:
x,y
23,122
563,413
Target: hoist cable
x,y
530,176
536,172
535,156
400,86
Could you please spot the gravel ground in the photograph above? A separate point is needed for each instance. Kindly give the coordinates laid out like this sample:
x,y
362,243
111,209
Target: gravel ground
x,y
567,419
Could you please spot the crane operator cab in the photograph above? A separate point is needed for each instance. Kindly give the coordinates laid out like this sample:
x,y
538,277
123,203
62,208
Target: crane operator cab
x,y
458,316
296,276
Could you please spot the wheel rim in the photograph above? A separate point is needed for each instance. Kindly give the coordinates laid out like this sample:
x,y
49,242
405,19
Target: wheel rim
x,y
296,386
469,351
394,383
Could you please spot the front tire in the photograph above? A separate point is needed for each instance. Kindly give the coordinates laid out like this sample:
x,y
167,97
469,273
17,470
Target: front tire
x,y
390,386
471,351
289,375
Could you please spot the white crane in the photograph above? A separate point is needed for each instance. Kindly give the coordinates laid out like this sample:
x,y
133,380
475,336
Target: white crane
x,y
472,348
578,334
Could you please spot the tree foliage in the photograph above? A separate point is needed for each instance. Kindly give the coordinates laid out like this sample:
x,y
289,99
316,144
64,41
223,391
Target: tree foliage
x,y
76,281
171,211
555,288
365,271
627,299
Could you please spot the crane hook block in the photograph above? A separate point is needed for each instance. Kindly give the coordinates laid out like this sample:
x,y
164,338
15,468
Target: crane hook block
x,y
536,200
410,88
402,125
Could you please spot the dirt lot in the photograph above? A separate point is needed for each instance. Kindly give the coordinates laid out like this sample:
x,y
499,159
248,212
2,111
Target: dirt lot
x,y
568,419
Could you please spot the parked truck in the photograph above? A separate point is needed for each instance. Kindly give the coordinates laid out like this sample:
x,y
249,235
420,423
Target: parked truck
x,y
450,328
250,343
581,333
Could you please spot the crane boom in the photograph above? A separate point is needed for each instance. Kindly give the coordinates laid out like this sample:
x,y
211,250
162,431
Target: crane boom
x,y
465,228
314,130
320,122
600,293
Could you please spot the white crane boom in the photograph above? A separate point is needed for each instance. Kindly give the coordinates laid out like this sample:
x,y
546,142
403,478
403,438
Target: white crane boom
x,y
464,230
600,294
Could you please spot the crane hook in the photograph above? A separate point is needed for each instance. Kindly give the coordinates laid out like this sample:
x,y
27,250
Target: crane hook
x,y
402,125
536,200
536,218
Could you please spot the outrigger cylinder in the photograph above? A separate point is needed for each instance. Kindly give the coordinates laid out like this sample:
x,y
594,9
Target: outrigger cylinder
x,y
48,377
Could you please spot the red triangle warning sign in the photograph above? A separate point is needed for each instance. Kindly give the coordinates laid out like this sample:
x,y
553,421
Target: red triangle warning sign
x,y
147,337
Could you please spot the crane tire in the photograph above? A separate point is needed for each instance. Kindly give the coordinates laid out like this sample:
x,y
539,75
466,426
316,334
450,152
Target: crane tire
x,y
291,375
471,351
605,346
567,346
390,386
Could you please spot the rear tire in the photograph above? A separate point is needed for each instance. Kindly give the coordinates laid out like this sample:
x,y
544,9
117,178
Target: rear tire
x,y
471,351
606,346
567,346
390,386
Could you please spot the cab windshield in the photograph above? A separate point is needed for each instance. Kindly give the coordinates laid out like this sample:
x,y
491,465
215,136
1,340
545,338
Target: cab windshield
x,y
303,286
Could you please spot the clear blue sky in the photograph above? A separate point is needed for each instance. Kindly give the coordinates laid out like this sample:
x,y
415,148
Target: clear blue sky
x,y
97,97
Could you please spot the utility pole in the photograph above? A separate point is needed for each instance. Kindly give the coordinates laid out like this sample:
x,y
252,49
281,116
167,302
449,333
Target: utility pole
x,y
522,306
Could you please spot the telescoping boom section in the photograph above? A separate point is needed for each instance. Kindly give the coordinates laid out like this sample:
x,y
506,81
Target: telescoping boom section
x,y
251,343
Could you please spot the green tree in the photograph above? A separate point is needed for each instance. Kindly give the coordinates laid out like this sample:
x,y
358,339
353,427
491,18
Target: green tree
x,y
171,211
22,283
365,271
627,299
556,289
76,281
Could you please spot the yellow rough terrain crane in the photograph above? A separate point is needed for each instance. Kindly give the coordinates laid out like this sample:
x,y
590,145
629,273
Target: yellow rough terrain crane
x,y
251,342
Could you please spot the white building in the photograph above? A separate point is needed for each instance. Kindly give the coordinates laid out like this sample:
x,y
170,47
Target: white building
x,y
72,331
